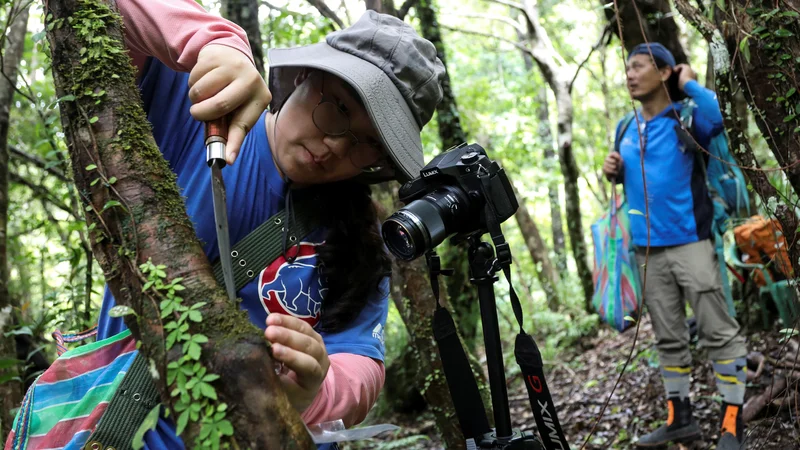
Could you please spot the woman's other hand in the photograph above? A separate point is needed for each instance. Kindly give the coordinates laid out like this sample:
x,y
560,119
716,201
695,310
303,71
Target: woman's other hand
x,y
301,350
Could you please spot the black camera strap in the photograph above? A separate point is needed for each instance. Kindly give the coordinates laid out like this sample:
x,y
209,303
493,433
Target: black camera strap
x,y
526,351
463,388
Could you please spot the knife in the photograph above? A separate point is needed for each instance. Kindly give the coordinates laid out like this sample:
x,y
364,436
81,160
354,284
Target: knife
x,y
216,139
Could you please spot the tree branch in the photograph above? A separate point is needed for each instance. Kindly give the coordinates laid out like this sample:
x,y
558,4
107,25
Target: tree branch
x,y
40,192
489,35
327,12
506,20
510,4
38,162
606,30
407,5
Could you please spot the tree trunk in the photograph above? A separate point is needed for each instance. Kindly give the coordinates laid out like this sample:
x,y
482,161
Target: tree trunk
x,y
545,272
245,14
462,296
542,51
761,80
10,391
136,215
550,166
768,69
447,117
655,17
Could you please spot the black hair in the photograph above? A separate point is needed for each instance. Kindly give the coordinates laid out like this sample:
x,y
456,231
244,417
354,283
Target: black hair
x,y
676,94
353,258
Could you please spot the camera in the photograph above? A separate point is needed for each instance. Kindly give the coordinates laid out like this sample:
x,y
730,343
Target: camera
x,y
449,197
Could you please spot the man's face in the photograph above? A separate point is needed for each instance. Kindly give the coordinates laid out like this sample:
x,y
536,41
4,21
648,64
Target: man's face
x,y
643,77
303,151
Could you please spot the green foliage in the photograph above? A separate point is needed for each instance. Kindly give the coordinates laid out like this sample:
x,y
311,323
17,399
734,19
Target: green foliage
x,y
195,396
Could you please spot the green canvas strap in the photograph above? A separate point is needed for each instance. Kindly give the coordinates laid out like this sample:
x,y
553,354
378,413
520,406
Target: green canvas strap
x,y
259,248
135,397
137,394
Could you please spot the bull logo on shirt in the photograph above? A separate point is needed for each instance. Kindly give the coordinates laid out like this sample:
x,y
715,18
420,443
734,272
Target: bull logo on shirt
x,y
295,288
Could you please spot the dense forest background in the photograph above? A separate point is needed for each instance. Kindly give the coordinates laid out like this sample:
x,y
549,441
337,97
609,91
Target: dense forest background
x,y
541,86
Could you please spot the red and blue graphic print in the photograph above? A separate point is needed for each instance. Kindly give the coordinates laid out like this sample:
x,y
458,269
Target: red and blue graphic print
x,y
294,288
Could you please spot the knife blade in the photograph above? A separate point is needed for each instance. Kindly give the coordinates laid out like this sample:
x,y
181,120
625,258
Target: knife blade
x,y
216,138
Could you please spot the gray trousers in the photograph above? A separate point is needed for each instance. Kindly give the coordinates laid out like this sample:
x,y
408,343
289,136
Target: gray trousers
x,y
675,275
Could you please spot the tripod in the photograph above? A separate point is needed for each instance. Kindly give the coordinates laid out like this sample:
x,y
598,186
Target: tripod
x,y
466,398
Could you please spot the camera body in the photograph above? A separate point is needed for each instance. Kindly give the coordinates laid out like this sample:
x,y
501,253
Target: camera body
x,y
449,197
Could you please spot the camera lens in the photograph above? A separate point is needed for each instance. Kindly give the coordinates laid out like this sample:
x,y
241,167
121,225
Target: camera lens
x,y
424,223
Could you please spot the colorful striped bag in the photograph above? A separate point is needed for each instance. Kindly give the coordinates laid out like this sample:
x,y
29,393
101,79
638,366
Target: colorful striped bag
x,y
617,289
63,407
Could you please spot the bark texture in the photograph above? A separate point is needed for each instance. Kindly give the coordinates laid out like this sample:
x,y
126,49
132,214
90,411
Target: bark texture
x,y
137,214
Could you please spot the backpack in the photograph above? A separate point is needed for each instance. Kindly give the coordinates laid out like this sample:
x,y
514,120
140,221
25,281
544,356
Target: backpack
x,y
99,395
761,241
724,179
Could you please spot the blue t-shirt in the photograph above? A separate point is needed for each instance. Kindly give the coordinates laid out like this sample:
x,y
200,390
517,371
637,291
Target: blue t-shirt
x,y
255,192
680,208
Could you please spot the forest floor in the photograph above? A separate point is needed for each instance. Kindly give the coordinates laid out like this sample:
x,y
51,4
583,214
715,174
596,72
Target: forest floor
x,y
581,386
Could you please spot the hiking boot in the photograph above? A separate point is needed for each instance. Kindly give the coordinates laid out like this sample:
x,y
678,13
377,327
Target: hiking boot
x,y
729,442
680,426
731,428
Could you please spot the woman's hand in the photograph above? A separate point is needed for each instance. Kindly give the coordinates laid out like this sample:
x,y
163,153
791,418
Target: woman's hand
x,y
301,350
225,82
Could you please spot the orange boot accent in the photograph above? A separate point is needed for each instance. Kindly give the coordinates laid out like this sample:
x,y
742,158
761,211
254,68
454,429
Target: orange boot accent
x,y
671,414
729,422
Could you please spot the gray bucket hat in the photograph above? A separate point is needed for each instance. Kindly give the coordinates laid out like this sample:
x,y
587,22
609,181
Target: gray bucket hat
x,y
395,72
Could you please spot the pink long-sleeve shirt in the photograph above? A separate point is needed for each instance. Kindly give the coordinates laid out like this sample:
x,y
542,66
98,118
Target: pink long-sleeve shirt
x,y
174,31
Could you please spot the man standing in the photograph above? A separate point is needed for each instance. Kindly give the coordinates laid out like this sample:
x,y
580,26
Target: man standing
x,y
682,264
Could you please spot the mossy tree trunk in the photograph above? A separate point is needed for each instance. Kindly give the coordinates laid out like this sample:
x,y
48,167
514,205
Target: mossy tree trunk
x,y
768,80
136,214
10,390
462,296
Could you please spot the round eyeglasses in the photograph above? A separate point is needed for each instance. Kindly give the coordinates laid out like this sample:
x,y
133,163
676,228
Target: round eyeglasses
x,y
333,121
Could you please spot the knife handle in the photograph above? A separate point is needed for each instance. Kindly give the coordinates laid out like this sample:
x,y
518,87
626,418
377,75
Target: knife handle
x,y
217,130
216,139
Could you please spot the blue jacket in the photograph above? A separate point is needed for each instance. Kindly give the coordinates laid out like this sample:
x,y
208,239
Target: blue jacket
x,y
680,208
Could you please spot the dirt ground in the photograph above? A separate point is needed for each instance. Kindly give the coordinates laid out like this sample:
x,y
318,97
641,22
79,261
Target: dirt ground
x,y
581,388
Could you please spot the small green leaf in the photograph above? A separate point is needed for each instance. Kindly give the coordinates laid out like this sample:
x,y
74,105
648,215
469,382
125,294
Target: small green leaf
x,y
783,32
94,119
95,181
67,98
791,92
745,49
194,351
183,419
789,118
195,316
721,4
207,390
149,423
629,319
635,212
121,311
199,338
91,167
225,428
111,204
112,180
5,363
